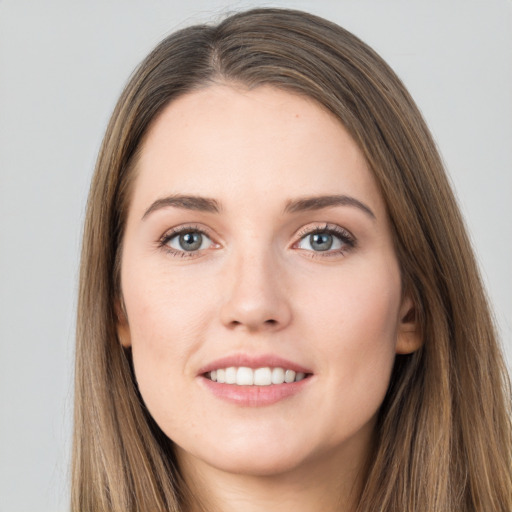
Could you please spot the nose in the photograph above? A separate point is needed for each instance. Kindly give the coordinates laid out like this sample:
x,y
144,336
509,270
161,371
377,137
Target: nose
x,y
256,298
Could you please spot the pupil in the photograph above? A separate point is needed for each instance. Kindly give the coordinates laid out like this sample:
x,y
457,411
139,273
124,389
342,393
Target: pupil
x,y
191,241
321,241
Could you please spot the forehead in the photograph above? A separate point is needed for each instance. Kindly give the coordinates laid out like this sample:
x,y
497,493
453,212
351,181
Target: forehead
x,y
230,142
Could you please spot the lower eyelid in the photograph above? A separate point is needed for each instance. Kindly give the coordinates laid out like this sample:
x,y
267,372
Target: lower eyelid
x,y
169,235
344,237
341,234
345,246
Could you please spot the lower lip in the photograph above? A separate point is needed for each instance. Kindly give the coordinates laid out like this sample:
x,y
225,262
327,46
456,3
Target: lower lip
x,y
255,396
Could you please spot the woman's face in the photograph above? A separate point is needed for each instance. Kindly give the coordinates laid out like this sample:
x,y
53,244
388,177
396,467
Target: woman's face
x,y
258,252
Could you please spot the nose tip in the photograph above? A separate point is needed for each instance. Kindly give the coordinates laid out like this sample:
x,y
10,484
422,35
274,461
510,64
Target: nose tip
x,y
252,319
256,300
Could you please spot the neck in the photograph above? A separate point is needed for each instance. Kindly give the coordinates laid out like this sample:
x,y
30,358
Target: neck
x,y
327,484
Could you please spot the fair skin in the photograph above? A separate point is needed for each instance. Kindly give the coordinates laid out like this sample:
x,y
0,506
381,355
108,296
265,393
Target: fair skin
x,y
230,259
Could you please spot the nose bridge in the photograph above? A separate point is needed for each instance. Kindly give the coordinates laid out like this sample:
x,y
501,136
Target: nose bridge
x,y
255,296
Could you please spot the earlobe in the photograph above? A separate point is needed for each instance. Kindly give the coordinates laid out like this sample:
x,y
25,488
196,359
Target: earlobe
x,y
122,327
409,338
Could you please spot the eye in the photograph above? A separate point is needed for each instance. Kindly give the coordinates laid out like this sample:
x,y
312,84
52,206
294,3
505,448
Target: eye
x,y
329,239
320,242
187,241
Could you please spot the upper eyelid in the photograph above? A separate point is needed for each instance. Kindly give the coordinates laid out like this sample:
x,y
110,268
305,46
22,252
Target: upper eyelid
x,y
323,227
347,239
308,229
169,233
164,241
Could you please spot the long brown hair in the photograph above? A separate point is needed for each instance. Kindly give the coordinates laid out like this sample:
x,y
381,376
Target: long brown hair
x,y
443,440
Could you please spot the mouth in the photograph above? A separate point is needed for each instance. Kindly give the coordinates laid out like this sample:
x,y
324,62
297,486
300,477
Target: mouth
x,y
255,380
264,376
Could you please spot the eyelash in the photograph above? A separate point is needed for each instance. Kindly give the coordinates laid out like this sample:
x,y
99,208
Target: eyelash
x,y
348,240
169,235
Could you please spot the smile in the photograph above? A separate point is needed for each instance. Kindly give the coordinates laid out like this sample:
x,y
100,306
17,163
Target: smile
x,y
244,376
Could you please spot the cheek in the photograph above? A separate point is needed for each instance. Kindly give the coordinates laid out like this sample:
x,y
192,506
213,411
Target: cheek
x,y
354,320
162,307
168,323
355,303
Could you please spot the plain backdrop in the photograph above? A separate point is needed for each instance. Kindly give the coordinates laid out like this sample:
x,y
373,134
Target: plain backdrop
x,y
63,64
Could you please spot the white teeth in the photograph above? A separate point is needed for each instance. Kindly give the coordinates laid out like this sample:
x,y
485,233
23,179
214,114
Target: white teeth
x,y
244,376
277,376
263,377
289,376
231,375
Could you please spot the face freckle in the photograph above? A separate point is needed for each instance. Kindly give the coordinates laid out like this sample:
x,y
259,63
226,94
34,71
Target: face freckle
x,y
313,290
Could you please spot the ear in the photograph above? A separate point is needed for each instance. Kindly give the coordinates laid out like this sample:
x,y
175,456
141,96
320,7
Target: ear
x,y
123,329
409,338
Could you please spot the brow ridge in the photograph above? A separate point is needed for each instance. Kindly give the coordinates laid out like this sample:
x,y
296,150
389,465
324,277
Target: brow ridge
x,y
319,202
205,204
187,202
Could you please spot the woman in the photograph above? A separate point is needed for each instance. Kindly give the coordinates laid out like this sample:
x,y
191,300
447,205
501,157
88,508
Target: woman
x,y
279,306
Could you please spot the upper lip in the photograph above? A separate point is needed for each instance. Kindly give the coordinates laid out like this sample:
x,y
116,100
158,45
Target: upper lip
x,y
253,361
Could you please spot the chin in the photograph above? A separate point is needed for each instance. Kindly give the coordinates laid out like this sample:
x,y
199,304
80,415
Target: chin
x,y
263,459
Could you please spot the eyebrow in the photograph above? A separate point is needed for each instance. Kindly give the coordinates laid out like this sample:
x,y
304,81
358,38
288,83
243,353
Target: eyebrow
x,y
319,202
187,202
205,204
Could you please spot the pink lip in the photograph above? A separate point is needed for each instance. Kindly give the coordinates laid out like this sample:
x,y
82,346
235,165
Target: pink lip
x,y
254,362
253,396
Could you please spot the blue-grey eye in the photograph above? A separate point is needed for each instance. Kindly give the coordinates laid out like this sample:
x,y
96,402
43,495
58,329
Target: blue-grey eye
x,y
189,241
319,242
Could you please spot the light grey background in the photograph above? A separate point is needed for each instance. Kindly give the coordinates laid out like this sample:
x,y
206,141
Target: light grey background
x,y
62,65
